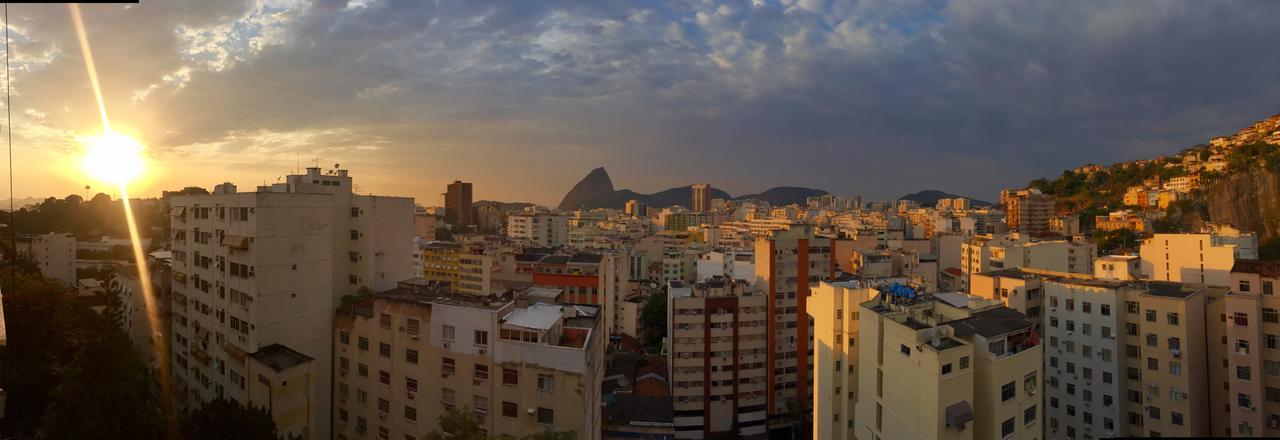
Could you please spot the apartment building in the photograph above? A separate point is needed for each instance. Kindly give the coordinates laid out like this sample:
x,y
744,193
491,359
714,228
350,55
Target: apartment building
x,y
701,197
1204,258
984,253
1017,289
1124,219
730,264
1028,211
834,307
440,262
788,263
538,228
457,205
718,330
413,352
1118,267
283,381
54,254
946,366
1250,352
586,278
255,269
1127,358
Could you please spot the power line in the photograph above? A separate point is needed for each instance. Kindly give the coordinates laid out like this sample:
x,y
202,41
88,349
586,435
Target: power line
x,y
8,122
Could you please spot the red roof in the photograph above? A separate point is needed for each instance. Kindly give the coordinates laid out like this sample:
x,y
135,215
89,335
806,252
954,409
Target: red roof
x,y
573,337
953,271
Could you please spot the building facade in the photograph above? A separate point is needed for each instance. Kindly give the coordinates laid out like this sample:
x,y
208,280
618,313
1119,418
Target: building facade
x,y
457,204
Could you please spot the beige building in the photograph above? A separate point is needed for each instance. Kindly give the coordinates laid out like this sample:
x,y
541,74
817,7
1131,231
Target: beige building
x,y
54,254
538,228
717,358
1204,258
1017,289
255,269
834,307
285,381
1250,353
1124,219
406,356
946,366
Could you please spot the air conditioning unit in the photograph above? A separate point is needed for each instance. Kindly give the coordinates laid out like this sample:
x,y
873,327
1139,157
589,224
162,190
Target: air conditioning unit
x,y
413,337
482,352
531,411
411,394
446,345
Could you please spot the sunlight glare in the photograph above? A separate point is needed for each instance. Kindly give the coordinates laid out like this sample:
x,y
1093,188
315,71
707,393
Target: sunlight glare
x,y
113,158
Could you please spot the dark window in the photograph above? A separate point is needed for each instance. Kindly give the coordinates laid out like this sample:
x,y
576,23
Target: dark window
x,y
1007,391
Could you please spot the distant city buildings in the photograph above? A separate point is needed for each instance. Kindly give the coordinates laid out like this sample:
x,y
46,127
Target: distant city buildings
x,y
701,197
1028,210
457,204
54,255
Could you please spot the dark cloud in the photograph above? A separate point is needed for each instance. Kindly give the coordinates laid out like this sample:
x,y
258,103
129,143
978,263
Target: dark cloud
x,y
874,97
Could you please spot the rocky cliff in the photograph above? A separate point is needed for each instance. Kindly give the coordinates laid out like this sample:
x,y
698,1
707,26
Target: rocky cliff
x,y
1249,200
595,186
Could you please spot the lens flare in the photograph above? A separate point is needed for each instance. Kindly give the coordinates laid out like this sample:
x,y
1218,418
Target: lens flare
x,y
113,158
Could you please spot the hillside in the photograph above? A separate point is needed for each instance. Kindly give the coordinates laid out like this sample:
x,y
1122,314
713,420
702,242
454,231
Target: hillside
x,y
784,195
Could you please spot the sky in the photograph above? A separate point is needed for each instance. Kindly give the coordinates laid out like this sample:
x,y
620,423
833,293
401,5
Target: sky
x,y
876,97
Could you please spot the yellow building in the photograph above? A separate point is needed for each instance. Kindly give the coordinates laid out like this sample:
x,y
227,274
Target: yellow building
x,y
413,352
946,366
440,262
1194,258
1251,354
834,307
1016,288
284,381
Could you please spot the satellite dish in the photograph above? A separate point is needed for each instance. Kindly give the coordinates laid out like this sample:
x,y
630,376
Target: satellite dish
x,y
335,165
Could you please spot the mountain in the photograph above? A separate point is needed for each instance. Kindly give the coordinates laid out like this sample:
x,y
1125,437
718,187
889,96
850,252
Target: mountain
x,y
596,191
590,189
504,206
784,195
929,197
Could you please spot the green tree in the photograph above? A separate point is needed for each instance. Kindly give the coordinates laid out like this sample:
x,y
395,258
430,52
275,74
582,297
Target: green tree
x,y
457,425
226,419
654,318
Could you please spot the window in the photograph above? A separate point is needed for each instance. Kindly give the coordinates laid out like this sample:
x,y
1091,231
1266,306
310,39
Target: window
x,y
946,369
1273,394
384,349
1151,315
355,234
1131,307
1029,382
1244,286
1240,318
964,362
1107,377
546,383
1151,340
1175,343
482,337
1087,307
1267,288
1242,346
1153,413
1153,364
411,356
904,350
481,405
1071,304
448,397
1053,321
410,413
384,377
384,405
446,332
1175,368
546,416
411,384
1272,368
509,409
1131,329
481,372
1172,318
384,321
1244,400
1106,309
1272,341
447,367
1270,315
1007,391
363,343
1244,373
362,370
1006,428
344,337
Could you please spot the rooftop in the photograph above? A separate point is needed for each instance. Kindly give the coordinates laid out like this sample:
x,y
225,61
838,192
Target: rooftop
x,y
536,316
1268,269
991,323
280,357
1011,273
1172,290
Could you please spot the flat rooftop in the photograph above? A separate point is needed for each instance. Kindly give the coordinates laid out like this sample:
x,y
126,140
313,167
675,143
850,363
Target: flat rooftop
x,y
1172,290
1011,273
280,357
990,323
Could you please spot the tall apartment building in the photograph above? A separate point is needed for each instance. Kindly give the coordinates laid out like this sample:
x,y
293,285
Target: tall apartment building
x,y
412,352
1127,358
701,197
985,253
834,307
788,263
637,208
54,254
717,358
457,204
541,229
1204,258
1028,211
1249,353
255,269
946,366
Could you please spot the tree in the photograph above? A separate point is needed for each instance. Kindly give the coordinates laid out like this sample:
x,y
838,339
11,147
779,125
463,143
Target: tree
x,y
654,318
362,294
459,425
226,419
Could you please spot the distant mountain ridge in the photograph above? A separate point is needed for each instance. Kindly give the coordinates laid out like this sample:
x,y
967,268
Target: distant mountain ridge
x,y
930,197
596,191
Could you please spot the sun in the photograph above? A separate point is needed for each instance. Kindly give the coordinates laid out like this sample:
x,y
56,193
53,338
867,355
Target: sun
x,y
113,158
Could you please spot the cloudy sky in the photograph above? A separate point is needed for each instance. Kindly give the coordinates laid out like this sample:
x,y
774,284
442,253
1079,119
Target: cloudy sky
x,y
878,97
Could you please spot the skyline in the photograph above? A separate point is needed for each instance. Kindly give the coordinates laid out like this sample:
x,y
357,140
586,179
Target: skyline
x,y
660,95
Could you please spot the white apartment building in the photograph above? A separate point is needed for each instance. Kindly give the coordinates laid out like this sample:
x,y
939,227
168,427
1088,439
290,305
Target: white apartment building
x,y
1086,383
986,253
411,353
542,229
255,269
717,358
55,255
